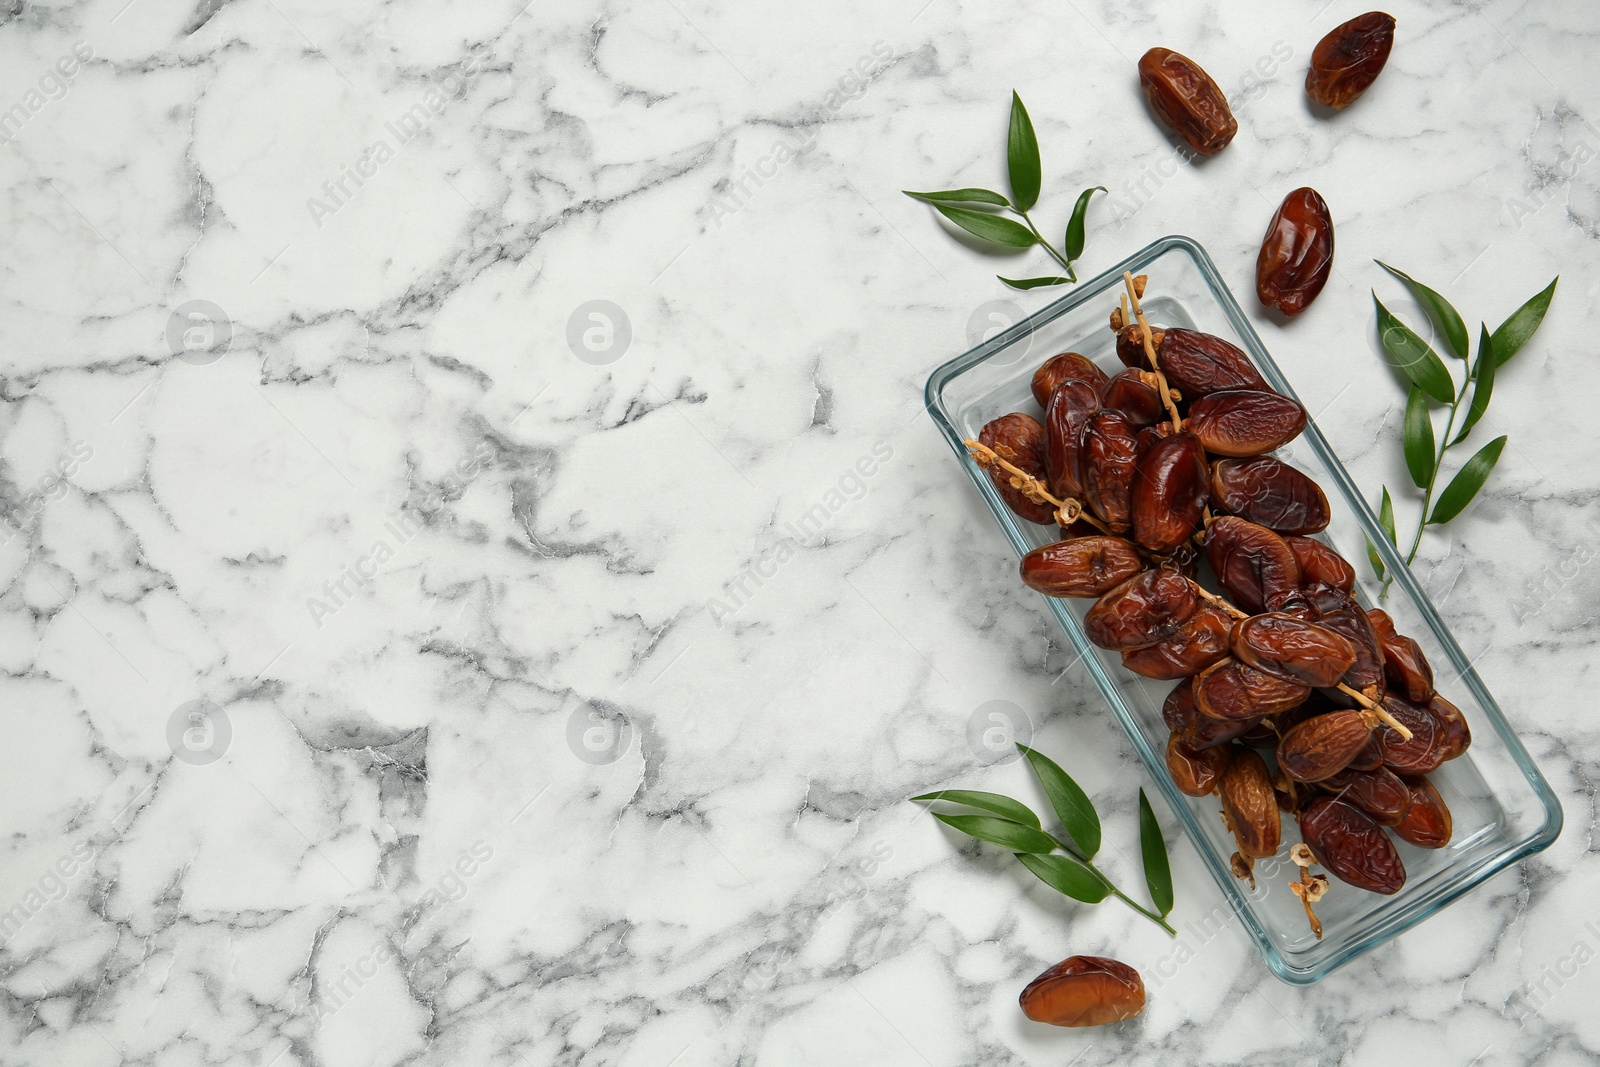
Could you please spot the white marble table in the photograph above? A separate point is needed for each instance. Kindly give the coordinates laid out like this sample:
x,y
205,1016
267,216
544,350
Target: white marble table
x,y
403,666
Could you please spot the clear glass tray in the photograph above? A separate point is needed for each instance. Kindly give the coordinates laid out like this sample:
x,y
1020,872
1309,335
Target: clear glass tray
x,y
1502,807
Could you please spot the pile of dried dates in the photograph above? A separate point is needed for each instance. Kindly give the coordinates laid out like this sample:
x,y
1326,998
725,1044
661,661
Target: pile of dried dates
x,y
1199,550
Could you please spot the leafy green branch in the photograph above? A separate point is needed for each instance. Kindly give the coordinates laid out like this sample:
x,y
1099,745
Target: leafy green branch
x,y
1433,385
1012,824
1025,172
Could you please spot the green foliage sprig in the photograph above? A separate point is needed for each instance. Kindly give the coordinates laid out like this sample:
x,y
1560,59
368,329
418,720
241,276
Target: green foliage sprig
x,y
1433,386
1012,824
1025,170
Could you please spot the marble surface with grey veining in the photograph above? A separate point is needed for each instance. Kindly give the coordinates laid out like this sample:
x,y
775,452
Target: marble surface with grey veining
x,y
478,584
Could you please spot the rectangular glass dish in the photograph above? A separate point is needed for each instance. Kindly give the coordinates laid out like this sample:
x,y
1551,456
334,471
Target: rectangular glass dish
x,y
1502,807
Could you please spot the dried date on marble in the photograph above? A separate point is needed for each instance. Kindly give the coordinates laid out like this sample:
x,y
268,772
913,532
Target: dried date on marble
x,y
1146,608
1185,98
1292,648
1236,691
1323,745
1199,731
1168,496
1319,564
1071,406
1426,749
1404,666
1130,345
1195,772
1198,364
1337,611
1427,822
1453,731
1351,846
1110,453
1296,253
1380,793
1245,422
1081,567
1270,492
1348,60
1128,392
1255,567
1250,804
1084,991
1066,366
1199,643
1019,440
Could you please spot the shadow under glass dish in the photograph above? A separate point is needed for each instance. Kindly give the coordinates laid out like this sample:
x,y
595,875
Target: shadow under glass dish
x,y
1503,809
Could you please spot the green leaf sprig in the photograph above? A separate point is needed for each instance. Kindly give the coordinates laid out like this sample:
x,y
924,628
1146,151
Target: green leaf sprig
x,y
1012,824
1432,385
1025,172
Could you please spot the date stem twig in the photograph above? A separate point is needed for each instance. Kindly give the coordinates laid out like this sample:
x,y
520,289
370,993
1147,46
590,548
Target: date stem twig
x,y
1311,887
1135,286
1068,511
1355,694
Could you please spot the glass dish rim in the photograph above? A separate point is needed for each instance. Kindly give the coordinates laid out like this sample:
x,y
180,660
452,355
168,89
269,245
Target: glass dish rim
x,y
1405,918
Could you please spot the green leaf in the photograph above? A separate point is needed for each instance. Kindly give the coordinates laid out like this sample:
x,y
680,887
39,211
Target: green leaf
x,y
1067,876
1413,356
1000,230
1022,157
1157,871
1080,211
994,803
1034,283
960,196
1386,517
1513,333
1439,310
1012,835
1420,456
1374,559
1070,802
1465,485
1482,383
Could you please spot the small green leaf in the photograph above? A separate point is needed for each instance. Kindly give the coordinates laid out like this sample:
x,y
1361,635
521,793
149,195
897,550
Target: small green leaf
x,y
1413,356
995,228
1386,517
1153,847
993,803
1465,485
960,196
1022,157
1067,876
1420,456
1070,802
1034,283
1482,383
1513,333
1080,211
1374,559
1439,310
1012,835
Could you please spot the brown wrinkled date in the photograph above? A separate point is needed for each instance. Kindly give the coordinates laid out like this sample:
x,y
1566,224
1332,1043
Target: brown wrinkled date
x,y
1130,346
1019,440
1353,847
1254,565
1319,564
1296,254
1084,991
1110,451
1380,793
1195,772
1068,366
1129,393
1198,731
1292,648
1453,731
1404,665
1270,492
1250,804
1197,644
1071,406
1427,822
1234,691
1347,61
1201,363
1147,608
1081,567
1169,493
1425,751
1324,745
1187,100
1245,422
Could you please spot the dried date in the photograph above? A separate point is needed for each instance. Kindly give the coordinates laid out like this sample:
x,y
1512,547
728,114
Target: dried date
x,y
1324,745
1202,363
1270,492
1348,60
1245,422
1130,345
1319,564
1427,822
1187,100
1195,772
1129,392
1380,793
1255,566
1199,643
1084,991
1081,567
1068,366
1426,749
1199,731
1351,846
1110,452
1296,254
1234,691
1292,648
1250,805
1453,731
1404,665
1146,608
1019,440
1168,492
1072,405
